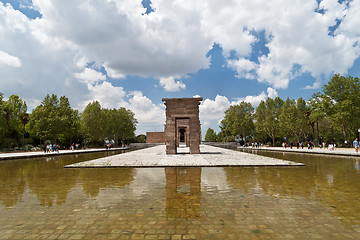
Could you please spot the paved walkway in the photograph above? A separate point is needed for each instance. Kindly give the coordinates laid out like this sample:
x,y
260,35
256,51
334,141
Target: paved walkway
x,y
16,155
337,151
210,157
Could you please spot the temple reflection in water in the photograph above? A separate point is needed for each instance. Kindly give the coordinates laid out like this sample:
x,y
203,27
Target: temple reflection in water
x,y
183,192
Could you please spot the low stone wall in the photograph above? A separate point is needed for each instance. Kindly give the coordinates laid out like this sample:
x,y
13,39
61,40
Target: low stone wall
x,y
222,144
143,145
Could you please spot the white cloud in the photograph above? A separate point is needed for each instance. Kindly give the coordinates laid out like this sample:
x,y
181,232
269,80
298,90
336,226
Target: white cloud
x,y
244,67
272,93
51,54
7,59
171,85
114,73
255,100
212,111
107,95
151,117
90,76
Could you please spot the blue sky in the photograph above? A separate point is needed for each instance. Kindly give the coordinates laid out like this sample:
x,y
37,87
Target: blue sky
x,y
134,53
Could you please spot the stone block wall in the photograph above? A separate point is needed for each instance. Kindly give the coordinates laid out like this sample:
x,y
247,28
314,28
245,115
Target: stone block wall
x,y
155,137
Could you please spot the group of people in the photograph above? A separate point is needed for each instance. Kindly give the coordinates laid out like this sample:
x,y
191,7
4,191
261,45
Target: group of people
x,y
51,148
298,145
256,145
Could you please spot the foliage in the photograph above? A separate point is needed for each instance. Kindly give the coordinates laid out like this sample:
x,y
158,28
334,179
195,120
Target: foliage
x,y
238,121
267,117
99,124
341,99
292,119
120,124
53,119
210,135
13,109
93,122
140,138
220,137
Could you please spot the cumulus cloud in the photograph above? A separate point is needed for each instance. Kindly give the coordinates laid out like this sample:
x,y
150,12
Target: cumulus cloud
x,y
255,100
51,54
244,67
107,95
151,117
7,59
171,85
90,76
212,111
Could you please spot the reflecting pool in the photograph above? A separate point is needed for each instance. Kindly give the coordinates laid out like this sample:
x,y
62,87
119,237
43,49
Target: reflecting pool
x,y
41,199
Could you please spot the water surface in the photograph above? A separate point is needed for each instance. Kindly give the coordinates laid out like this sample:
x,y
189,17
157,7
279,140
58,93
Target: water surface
x,y
41,199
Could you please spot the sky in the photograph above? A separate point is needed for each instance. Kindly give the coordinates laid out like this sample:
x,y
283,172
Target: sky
x,y
133,53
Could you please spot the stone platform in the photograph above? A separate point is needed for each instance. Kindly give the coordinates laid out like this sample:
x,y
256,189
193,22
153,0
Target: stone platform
x,y
209,157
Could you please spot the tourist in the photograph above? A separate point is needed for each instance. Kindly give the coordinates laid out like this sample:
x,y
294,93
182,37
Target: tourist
x,y
356,145
330,147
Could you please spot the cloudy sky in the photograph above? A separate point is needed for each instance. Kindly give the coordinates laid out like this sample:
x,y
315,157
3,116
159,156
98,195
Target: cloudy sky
x,y
133,53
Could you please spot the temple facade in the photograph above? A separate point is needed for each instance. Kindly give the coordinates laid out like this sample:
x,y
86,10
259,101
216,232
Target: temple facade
x,y
182,124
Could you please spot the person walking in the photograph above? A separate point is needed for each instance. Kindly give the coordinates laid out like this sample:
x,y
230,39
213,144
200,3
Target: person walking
x,y
356,145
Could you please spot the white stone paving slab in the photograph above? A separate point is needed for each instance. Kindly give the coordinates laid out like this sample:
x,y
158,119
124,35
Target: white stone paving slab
x,y
210,157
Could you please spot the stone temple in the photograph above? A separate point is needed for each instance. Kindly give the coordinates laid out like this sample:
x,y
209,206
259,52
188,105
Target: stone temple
x,y
182,124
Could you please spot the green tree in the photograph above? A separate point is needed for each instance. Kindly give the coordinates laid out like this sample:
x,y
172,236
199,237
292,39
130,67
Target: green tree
x,y
238,121
341,101
292,118
317,114
210,135
120,124
267,117
53,119
219,137
140,138
2,118
13,110
93,122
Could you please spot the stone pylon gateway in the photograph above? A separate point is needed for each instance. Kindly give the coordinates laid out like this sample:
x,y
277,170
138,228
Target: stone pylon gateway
x,y
182,124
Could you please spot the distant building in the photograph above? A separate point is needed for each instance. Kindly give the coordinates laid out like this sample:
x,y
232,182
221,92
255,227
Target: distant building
x,y
155,137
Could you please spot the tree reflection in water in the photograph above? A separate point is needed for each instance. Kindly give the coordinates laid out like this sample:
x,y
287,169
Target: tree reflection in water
x,y
49,181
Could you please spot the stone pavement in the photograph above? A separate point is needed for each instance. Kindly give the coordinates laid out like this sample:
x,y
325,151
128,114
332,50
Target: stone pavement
x,y
209,157
337,151
17,155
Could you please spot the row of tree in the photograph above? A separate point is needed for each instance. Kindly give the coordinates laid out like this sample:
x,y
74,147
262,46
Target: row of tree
x,y
331,116
55,121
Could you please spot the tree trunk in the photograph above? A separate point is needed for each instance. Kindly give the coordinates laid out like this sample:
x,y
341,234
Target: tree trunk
x,y
116,140
343,128
317,130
